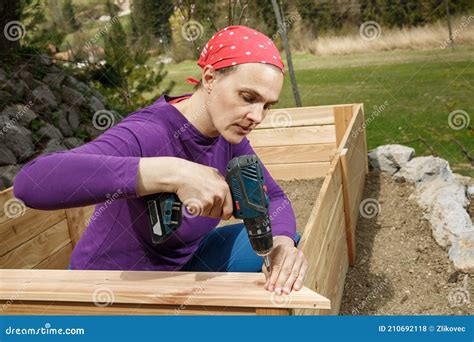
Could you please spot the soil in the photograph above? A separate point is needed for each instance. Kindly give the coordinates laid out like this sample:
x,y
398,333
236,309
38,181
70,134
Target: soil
x,y
400,269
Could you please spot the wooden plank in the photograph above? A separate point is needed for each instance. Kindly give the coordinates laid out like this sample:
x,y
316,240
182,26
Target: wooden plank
x,y
359,108
298,170
37,249
76,223
327,210
293,136
143,287
334,281
272,312
16,232
296,153
58,260
354,164
296,117
74,308
342,117
88,211
350,237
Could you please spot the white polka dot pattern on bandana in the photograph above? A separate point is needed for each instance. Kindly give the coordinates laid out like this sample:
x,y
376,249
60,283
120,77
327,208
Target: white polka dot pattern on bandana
x,y
241,45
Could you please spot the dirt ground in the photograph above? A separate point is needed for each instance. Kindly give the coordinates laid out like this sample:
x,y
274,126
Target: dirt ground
x,y
400,269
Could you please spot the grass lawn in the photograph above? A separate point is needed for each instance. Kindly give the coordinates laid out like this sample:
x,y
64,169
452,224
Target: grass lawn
x,y
419,89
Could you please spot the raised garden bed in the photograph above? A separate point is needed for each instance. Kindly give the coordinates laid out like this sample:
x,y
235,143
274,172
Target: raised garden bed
x,y
299,144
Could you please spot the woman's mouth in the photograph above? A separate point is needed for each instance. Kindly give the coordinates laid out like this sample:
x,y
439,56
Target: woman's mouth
x,y
244,130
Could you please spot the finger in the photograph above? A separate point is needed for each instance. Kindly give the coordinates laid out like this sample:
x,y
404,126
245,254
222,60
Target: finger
x,y
299,281
267,276
216,209
285,272
227,208
295,272
275,269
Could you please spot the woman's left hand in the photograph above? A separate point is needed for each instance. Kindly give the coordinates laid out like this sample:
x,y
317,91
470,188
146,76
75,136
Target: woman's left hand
x,y
288,267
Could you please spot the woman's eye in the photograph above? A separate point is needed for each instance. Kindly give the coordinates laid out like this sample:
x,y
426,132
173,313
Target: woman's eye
x,y
267,107
247,99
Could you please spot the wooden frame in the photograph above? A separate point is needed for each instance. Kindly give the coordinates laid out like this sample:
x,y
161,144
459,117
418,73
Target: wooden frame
x,y
293,143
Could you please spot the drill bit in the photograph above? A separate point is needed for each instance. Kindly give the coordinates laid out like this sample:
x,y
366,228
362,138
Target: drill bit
x,y
266,261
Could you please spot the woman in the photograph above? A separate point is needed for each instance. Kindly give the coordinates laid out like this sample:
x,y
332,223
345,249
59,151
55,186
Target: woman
x,y
180,145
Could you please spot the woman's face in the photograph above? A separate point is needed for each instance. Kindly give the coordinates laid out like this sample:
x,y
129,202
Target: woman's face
x,y
240,100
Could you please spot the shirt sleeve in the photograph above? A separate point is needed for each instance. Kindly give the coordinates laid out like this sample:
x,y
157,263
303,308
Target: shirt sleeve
x,y
281,212
85,175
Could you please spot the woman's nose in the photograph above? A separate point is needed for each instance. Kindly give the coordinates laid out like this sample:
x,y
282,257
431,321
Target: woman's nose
x,y
257,115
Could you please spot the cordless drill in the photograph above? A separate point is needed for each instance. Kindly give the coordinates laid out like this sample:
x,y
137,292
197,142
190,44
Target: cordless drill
x,y
250,203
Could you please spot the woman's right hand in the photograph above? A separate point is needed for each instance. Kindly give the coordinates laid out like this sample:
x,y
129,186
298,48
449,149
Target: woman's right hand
x,y
202,189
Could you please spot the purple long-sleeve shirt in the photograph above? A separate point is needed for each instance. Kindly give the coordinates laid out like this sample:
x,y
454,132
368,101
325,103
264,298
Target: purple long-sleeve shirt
x,y
104,172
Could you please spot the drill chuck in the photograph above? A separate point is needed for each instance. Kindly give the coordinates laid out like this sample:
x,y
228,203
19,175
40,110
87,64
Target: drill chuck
x,y
260,234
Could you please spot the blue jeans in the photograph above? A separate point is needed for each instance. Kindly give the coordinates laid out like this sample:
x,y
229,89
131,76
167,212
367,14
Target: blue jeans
x,y
226,249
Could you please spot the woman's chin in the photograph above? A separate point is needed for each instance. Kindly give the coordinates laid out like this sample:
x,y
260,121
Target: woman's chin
x,y
233,137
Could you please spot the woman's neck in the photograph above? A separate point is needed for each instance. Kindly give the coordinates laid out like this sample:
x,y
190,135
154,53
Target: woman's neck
x,y
194,109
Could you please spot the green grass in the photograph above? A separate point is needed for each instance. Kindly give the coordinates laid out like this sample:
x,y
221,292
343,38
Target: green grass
x,y
420,88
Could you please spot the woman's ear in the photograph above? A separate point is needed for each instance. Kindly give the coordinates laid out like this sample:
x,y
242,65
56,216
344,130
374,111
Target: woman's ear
x,y
208,77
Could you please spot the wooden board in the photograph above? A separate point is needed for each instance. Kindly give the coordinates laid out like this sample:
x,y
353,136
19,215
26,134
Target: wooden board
x,y
321,238
296,153
354,164
58,260
298,170
157,288
297,117
293,136
75,308
17,231
33,252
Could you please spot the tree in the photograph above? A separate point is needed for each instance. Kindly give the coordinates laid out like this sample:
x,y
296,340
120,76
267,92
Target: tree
x,y
152,18
70,21
125,77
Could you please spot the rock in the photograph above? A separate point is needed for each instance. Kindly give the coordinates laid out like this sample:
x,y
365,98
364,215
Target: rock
x,y
7,175
4,95
19,89
6,156
44,59
390,158
50,132
30,81
3,76
422,169
91,131
63,126
72,97
95,104
44,98
74,83
54,79
54,145
444,203
462,252
19,113
73,115
18,140
73,142
99,96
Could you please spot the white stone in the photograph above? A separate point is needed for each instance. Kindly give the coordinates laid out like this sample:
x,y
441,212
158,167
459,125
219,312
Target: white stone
x,y
390,158
422,169
444,204
462,252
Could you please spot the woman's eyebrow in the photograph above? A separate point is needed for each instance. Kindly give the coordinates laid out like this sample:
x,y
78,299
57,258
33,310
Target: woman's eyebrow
x,y
258,95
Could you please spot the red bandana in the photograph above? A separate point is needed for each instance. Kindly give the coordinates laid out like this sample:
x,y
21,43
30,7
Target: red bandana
x,y
238,45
